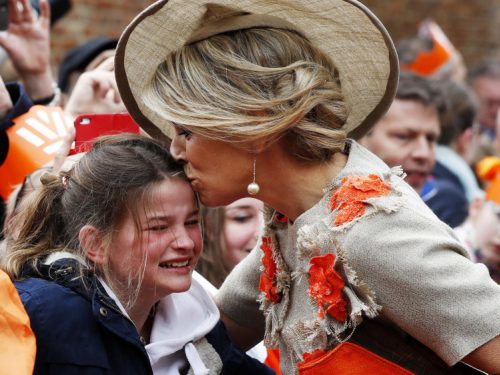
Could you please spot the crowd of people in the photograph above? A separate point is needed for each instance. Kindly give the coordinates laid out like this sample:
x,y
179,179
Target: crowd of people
x,y
304,197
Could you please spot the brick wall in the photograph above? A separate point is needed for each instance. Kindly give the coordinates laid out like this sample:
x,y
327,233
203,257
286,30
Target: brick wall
x,y
472,26
91,18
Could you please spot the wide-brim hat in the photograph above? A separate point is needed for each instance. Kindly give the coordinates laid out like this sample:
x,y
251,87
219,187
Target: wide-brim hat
x,y
348,32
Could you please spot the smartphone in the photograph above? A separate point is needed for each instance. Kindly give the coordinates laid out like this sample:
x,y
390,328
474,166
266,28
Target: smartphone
x,y
90,126
4,15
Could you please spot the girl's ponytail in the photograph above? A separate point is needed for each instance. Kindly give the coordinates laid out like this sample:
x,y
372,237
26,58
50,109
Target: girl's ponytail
x,y
38,228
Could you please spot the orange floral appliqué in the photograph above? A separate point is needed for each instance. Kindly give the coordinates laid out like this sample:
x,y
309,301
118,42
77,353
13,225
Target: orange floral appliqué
x,y
325,287
267,283
350,197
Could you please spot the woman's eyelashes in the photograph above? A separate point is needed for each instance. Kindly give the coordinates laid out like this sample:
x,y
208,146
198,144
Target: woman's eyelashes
x,y
182,132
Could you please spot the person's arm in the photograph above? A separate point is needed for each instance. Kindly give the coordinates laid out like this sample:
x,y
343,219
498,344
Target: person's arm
x,y
443,300
238,305
243,337
486,357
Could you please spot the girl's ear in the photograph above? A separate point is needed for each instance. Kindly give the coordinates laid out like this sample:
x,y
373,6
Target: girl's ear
x,y
92,244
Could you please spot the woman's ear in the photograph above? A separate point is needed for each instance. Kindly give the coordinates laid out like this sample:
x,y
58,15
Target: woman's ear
x,y
92,244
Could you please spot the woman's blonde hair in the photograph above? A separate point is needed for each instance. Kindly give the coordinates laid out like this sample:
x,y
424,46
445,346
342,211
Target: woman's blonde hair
x,y
254,84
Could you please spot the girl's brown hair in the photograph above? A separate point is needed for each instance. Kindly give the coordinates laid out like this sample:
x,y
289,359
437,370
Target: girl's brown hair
x,y
110,181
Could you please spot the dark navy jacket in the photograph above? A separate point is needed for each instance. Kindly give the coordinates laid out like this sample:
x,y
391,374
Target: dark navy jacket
x,y
80,330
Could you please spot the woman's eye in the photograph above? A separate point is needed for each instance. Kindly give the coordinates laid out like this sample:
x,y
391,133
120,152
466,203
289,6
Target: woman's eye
x,y
183,132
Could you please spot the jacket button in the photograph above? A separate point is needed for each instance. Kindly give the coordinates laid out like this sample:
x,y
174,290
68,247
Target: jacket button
x,y
103,311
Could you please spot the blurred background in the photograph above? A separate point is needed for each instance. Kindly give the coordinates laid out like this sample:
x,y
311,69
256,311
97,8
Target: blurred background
x,y
472,26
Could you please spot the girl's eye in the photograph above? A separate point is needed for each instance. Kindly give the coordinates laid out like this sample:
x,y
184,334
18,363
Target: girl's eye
x,y
192,222
157,228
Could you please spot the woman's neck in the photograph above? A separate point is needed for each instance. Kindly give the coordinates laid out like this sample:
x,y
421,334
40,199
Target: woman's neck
x,y
296,187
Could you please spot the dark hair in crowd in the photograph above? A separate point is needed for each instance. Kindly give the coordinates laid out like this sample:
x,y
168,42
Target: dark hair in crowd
x,y
485,68
106,184
424,90
460,112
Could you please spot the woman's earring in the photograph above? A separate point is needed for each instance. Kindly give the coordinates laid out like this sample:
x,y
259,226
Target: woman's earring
x,y
253,188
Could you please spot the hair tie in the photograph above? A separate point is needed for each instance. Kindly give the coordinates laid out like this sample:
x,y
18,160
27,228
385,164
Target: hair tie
x,y
65,180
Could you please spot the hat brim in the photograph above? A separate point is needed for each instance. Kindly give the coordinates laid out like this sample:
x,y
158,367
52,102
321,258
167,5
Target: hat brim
x,y
347,31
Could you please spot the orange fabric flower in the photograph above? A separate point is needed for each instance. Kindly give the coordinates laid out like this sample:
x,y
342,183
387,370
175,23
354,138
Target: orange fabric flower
x,y
267,283
325,286
350,197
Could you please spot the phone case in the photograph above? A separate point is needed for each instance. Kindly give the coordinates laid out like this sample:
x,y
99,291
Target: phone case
x,y
90,126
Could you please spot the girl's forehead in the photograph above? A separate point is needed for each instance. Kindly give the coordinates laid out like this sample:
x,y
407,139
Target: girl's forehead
x,y
169,197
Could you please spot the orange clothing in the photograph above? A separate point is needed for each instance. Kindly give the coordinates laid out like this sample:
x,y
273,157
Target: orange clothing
x,y
17,341
350,359
273,360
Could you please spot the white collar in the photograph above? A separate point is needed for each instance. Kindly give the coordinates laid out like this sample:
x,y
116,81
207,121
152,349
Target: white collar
x,y
180,320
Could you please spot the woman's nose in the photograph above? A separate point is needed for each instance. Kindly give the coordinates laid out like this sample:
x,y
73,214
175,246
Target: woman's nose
x,y
178,148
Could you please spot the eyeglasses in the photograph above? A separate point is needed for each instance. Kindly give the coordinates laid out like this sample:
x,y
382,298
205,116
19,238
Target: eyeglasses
x,y
30,183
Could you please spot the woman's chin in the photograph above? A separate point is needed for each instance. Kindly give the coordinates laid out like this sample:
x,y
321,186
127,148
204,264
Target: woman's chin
x,y
212,200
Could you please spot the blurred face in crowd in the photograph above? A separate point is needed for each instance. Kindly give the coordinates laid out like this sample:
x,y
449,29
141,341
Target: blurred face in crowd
x,y
407,136
242,225
486,221
487,90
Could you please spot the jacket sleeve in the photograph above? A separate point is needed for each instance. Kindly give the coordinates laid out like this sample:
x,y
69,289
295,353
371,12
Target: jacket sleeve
x,y
238,295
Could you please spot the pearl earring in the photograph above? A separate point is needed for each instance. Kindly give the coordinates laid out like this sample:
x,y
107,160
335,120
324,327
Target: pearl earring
x,y
253,188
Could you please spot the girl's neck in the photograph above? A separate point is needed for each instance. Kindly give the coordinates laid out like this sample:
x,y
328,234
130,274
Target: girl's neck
x,y
143,319
141,313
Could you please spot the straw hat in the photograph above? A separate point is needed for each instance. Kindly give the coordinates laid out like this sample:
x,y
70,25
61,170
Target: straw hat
x,y
354,39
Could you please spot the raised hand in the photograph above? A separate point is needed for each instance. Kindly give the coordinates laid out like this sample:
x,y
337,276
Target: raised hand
x,y
27,43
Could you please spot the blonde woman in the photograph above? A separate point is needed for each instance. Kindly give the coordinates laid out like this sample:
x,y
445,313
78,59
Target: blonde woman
x,y
354,274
